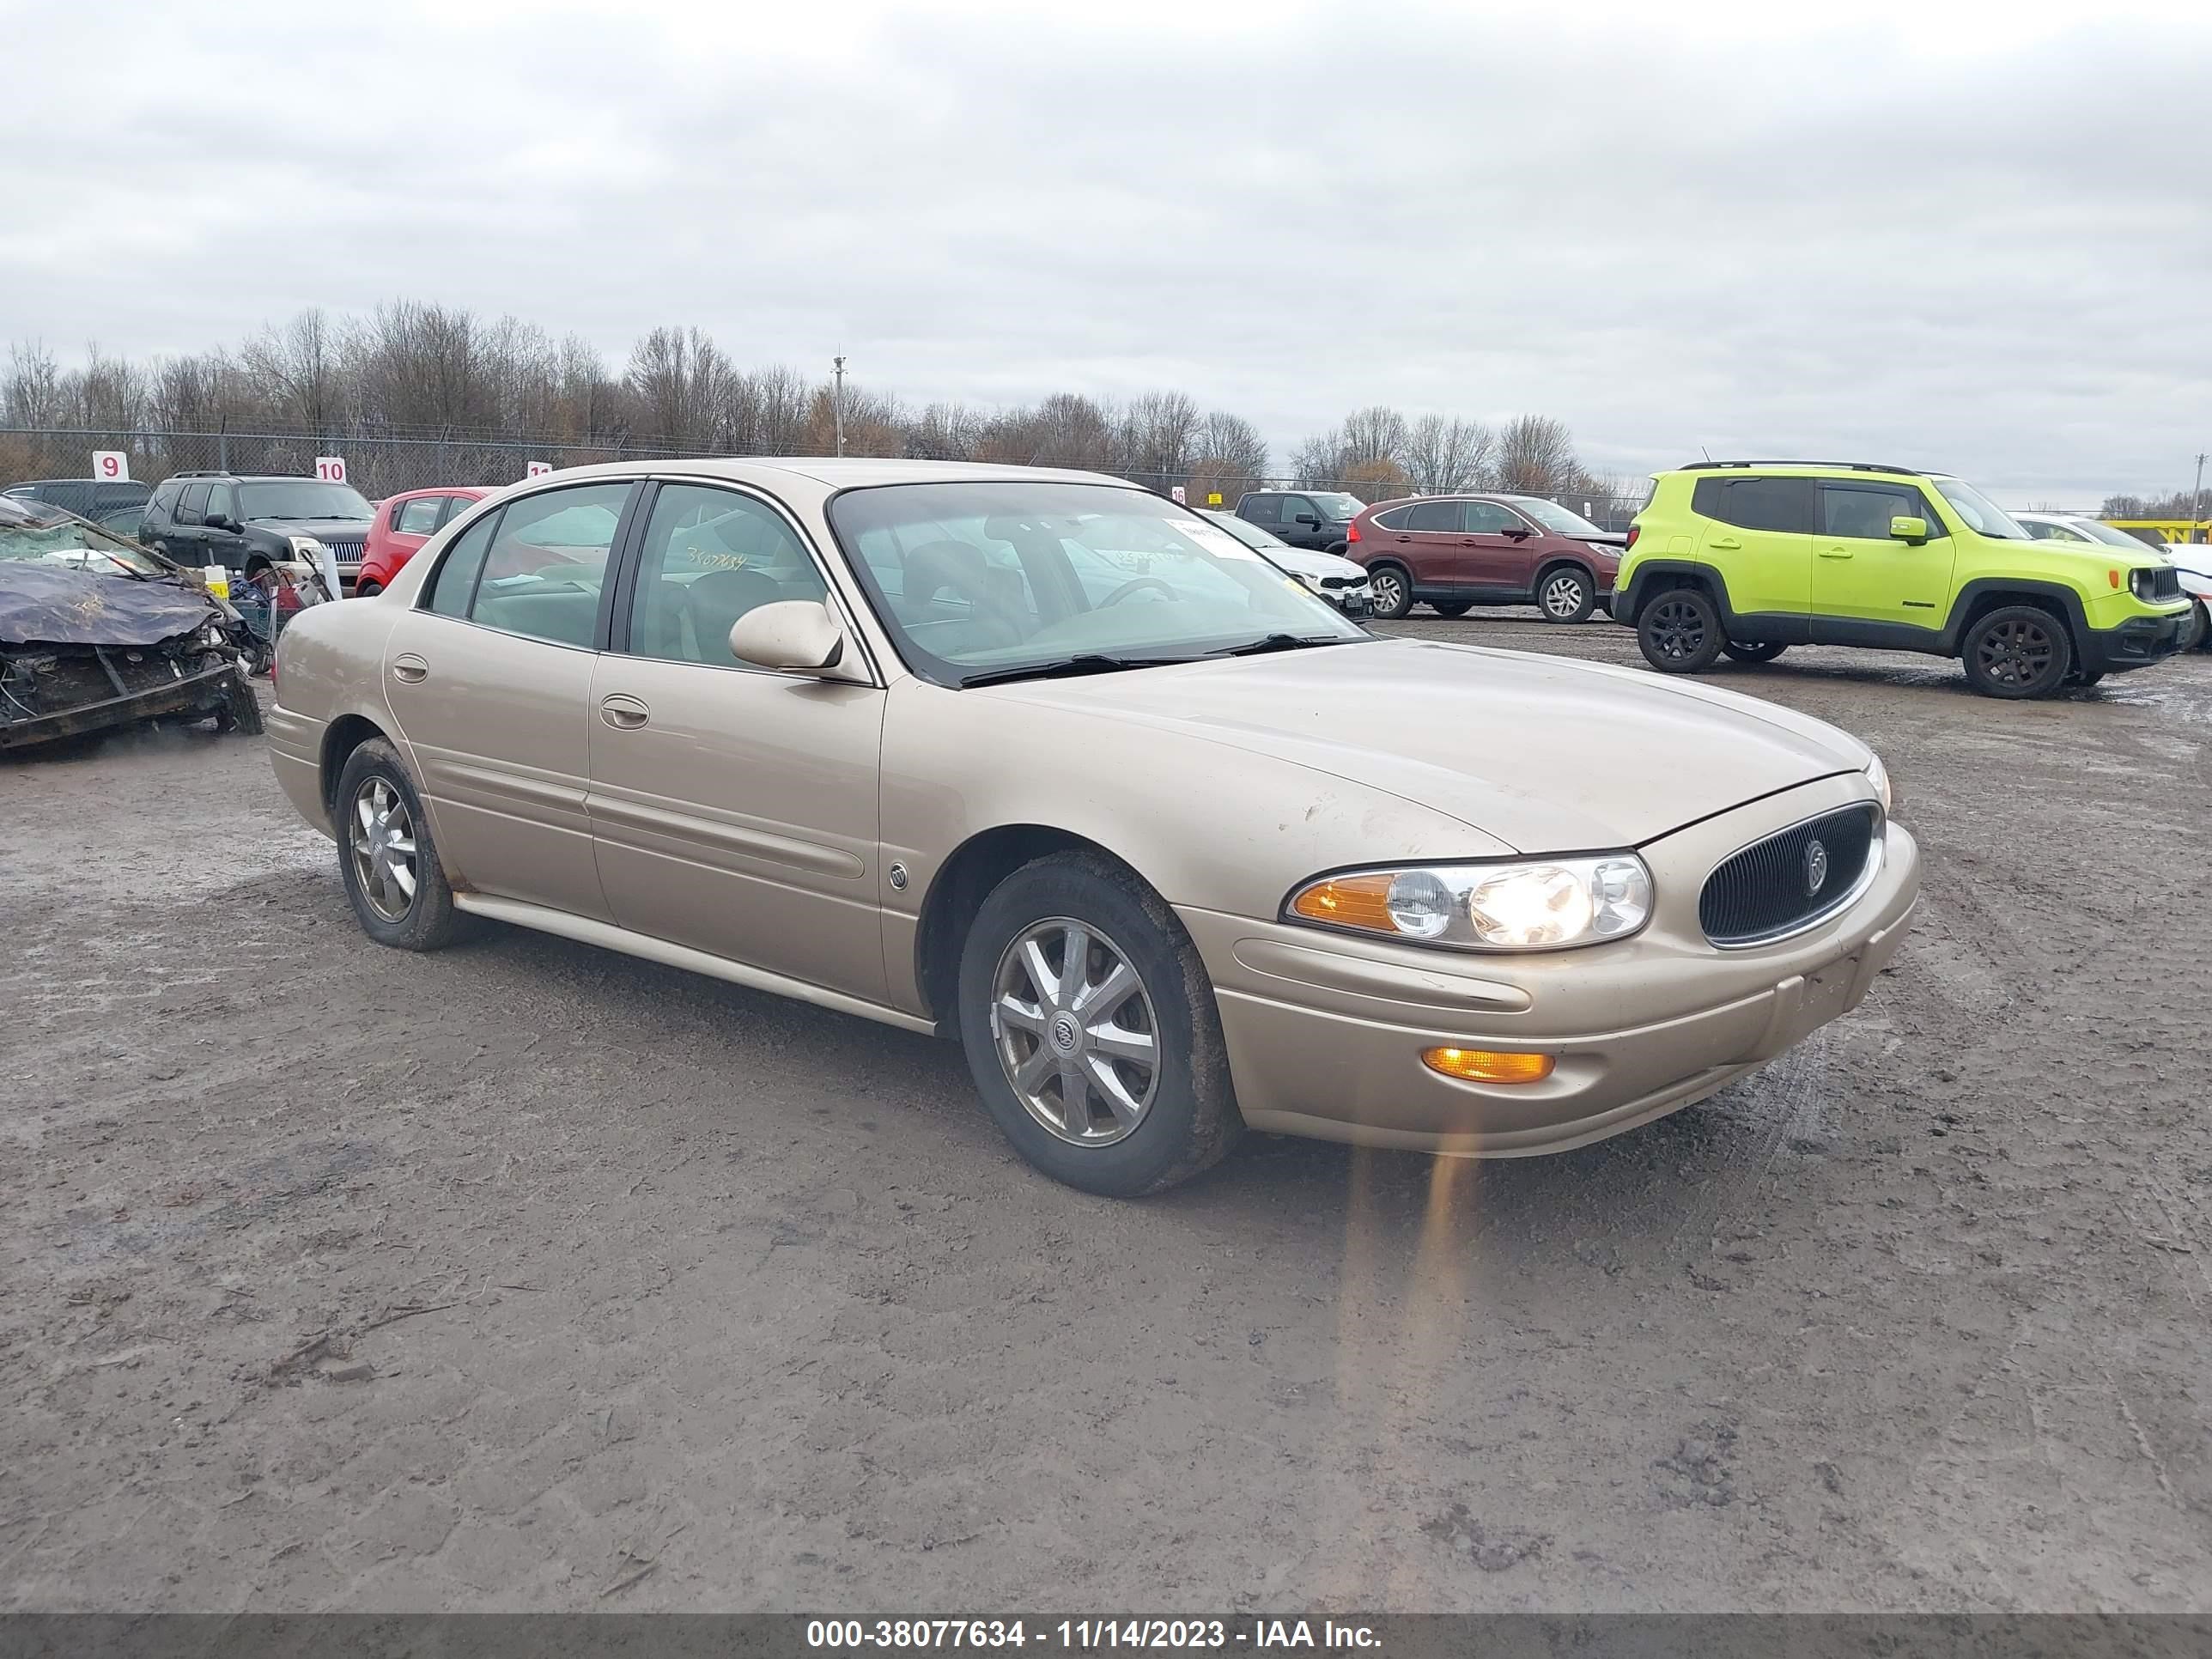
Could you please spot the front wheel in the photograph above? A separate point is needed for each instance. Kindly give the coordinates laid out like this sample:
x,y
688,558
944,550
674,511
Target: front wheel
x,y
2197,632
386,855
2016,652
1393,590
1090,1029
1565,596
1679,632
367,590
1750,651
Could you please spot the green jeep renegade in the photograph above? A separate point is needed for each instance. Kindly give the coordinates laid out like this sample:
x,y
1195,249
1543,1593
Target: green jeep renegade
x,y
1747,558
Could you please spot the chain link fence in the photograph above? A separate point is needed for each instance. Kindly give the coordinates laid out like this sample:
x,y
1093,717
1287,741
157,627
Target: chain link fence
x,y
380,463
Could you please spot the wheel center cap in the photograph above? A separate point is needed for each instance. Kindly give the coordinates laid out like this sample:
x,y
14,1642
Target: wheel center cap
x,y
1066,1033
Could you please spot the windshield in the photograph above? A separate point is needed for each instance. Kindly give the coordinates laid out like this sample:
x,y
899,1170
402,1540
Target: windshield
x,y
2099,531
1008,579
1555,518
1250,533
1336,504
51,535
1980,512
301,498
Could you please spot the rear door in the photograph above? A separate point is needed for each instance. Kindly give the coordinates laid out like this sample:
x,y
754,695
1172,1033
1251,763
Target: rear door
x,y
184,538
735,808
1861,573
1758,533
1432,539
489,679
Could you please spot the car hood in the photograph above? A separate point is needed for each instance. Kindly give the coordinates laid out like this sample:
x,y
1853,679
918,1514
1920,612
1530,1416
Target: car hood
x,y
1299,561
345,529
42,604
1543,753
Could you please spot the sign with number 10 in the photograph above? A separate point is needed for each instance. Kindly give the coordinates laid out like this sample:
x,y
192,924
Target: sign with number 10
x,y
331,469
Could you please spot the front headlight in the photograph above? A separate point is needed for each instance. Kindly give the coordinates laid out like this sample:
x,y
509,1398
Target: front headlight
x,y
1535,904
1878,775
307,548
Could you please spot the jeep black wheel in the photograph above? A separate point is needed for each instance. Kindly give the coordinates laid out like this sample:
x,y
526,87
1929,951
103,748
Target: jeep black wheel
x,y
1679,632
1752,651
2017,652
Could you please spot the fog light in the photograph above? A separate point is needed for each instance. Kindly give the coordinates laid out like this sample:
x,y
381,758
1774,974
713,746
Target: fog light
x,y
1487,1065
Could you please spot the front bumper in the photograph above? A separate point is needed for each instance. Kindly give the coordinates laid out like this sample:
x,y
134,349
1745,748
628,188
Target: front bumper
x,y
2136,643
1325,1032
200,693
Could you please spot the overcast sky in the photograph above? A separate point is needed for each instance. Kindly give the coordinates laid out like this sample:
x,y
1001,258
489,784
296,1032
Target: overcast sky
x,y
1971,237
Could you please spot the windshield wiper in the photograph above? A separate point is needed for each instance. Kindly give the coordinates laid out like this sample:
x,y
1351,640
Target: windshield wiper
x,y
1261,647
1067,668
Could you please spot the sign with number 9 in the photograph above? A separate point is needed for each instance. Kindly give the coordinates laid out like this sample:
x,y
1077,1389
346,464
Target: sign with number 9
x,y
111,463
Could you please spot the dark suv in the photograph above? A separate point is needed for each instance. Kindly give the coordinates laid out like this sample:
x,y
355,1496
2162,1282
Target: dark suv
x,y
246,523
1455,552
113,503
1318,519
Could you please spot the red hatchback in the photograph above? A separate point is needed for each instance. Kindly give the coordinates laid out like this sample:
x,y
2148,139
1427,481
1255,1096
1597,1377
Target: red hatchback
x,y
1455,552
404,523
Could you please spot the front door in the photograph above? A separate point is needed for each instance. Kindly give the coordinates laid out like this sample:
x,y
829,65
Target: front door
x,y
1861,573
222,544
1493,549
1302,523
735,808
490,682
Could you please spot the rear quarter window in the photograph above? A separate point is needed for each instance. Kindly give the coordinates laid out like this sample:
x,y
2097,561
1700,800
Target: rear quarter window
x,y
1776,504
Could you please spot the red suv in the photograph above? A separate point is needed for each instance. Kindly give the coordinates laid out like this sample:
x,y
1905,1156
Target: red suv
x,y
1455,552
402,523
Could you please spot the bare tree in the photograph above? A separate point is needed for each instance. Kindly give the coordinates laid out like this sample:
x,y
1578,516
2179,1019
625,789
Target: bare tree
x,y
301,370
1231,458
678,376
1444,456
32,393
1319,461
1157,432
944,432
1536,457
1374,439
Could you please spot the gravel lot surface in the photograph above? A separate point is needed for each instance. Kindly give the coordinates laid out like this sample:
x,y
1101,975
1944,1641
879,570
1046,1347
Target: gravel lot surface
x,y
531,1276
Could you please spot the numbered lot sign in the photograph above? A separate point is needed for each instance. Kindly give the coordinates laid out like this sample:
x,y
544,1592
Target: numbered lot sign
x,y
111,464
537,469
1177,493
331,469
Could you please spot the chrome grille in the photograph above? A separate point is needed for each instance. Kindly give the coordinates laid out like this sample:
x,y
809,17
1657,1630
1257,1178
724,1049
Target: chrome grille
x,y
1781,884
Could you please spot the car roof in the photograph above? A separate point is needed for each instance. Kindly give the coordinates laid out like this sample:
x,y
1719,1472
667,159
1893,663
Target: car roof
x,y
1811,468
839,472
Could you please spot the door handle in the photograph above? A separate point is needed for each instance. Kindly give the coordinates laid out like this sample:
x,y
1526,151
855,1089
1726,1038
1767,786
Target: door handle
x,y
1836,553
1724,542
625,714
1404,538
410,667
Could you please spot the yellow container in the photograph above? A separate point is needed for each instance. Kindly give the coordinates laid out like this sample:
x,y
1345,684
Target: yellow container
x,y
217,579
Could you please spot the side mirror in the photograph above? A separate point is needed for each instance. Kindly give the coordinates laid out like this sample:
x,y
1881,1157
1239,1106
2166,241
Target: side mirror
x,y
793,636
1309,520
1908,530
218,521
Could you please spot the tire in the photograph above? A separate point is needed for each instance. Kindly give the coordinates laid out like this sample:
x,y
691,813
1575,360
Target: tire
x,y
1393,590
367,590
241,710
2088,679
2197,635
427,920
1565,593
1679,631
1454,609
1174,1119
2017,652
1762,651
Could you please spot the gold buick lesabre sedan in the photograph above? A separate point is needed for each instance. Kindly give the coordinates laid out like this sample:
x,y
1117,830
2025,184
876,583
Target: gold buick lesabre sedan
x,y
1047,762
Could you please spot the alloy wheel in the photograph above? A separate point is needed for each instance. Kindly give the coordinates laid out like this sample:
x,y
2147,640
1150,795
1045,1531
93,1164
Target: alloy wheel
x,y
380,836
1388,589
1075,1031
2016,652
1563,595
1678,629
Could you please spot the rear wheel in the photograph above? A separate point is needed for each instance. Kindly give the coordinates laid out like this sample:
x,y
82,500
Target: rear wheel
x,y
1679,632
1393,590
240,710
386,855
1090,1029
2017,650
1453,608
1566,594
1749,651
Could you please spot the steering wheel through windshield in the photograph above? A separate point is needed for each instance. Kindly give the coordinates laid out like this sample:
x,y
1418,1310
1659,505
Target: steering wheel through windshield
x,y
1131,586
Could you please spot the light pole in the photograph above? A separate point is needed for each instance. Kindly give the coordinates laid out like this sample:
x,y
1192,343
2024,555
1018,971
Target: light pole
x,y
837,403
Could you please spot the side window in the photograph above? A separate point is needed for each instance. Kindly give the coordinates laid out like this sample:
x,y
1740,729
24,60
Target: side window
x,y
1489,519
1263,510
193,504
1294,505
222,499
1782,504
455,583
547,561
1433,515
1393,519
1863,511
418,517
2043,531
710,556
164,501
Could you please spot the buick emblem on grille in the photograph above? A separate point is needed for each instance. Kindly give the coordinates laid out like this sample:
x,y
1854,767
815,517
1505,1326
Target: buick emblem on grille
x,y
1816,867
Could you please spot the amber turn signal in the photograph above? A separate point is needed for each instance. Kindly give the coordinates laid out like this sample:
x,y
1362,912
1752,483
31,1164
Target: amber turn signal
x,y
1349,902
1487,1065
